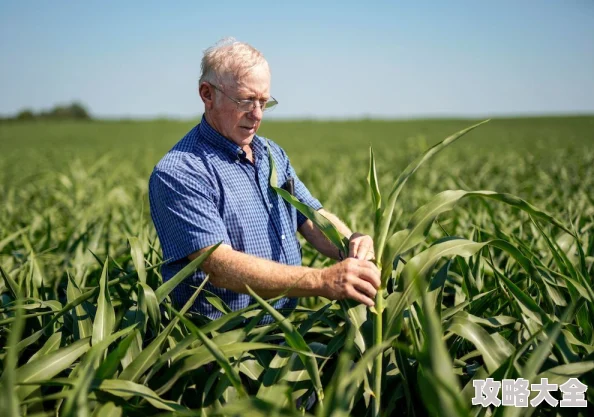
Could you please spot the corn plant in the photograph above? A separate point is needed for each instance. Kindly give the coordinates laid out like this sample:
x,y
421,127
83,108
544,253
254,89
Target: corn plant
x,y
413,279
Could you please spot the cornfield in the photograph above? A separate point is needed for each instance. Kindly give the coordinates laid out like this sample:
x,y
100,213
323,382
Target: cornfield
x,y
485,241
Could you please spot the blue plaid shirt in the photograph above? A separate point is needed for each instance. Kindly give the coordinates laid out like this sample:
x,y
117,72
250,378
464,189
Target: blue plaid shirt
x,y
204,191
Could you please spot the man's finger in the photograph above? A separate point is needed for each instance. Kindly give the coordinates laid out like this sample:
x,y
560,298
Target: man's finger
x,y
365,288
364,248
353,248
362,298
370,274
371,266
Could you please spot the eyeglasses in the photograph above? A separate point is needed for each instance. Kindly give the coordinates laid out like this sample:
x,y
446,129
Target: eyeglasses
x,y
249,105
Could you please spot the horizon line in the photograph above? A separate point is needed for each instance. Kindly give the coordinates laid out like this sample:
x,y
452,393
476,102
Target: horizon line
x,y
312,118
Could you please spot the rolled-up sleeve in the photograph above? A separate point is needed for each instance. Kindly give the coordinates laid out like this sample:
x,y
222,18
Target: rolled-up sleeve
x,y
185,214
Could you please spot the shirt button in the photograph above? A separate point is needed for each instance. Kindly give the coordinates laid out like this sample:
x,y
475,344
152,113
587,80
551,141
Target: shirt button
x,y
237,161
283,237
270,205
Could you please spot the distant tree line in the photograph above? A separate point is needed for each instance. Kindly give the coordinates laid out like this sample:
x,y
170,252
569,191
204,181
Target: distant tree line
x,y
74,111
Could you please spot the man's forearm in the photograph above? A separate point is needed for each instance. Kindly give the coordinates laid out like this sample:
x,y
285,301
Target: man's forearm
x,y
319,241
235,270
342,228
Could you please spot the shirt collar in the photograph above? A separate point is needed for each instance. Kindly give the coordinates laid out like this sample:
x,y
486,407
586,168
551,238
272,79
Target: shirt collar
x,y
210,135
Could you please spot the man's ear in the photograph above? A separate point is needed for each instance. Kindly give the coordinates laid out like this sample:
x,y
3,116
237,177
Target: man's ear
x,y
206,94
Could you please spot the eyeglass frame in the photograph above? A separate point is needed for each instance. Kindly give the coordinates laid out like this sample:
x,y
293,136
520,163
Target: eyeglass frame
x,y
264,108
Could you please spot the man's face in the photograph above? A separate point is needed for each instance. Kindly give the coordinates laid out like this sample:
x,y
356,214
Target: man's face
x,y
226,118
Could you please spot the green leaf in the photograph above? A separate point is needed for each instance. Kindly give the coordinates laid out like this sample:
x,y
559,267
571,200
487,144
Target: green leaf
x,y
256,407
10,283
540,353
437,365
128,389
238,315
105,317
526,303
393,248
542,350
386,216
10,238
480,338
420,265
9,404
251,368
81,314
560,374
355,377
376,197
335,401
295,340
69,306
48,366
150,355
163,291
214,350
137,258
51,344
152,304
357,316
217,302
321,222
76,403
421,221
110,365
108,410
201,356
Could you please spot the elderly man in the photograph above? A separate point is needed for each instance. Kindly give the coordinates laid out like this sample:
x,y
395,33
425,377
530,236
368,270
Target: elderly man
x,y
212,187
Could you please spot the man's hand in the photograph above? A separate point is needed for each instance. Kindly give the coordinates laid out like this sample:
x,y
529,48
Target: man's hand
x,y
352,278
361,247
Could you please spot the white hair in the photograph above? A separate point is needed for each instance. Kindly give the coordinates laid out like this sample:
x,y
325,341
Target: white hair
x,y
229,57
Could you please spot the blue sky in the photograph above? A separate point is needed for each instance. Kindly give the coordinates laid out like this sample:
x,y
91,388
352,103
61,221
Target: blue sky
x,y
329,59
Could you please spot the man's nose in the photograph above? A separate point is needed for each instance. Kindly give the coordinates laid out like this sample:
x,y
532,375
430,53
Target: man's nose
x,y
256,113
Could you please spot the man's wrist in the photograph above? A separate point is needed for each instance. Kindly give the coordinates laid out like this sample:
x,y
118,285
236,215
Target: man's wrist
x,y
319,284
